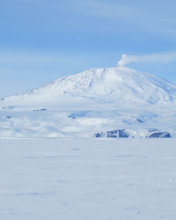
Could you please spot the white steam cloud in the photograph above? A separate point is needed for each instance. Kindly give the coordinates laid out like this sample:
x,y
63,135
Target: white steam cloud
x,y
155,58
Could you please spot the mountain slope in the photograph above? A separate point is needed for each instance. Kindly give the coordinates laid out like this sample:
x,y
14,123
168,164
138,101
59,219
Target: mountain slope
x,y
116,84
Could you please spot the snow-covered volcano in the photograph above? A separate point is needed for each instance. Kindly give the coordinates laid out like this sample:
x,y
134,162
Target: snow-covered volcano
x,y
93,102
116,84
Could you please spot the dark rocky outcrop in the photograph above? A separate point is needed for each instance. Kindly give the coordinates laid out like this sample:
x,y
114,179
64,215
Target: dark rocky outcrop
x,y
98,135
157,134
113,134
72,117
37,110
8,107
139,120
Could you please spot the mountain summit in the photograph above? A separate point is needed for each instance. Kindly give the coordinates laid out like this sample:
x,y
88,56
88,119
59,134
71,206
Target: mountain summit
x,y
117,84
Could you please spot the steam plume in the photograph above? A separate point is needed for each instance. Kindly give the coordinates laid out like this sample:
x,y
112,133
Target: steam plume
x,y
155,58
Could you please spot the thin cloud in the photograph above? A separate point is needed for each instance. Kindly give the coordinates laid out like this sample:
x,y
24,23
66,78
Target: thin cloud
x,y
27,58
134,15
109,10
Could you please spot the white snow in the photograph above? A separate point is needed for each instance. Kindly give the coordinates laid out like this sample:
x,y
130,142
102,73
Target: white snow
x,y
94,101
62,175
48,179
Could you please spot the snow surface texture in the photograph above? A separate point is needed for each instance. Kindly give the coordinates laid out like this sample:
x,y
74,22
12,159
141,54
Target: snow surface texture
x,y
97,100
87,179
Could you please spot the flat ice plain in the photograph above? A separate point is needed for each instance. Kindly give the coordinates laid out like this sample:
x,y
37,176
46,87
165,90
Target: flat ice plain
x,y
87,179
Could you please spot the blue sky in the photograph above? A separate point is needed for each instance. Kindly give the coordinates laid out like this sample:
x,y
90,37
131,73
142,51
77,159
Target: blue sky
x,y
41,40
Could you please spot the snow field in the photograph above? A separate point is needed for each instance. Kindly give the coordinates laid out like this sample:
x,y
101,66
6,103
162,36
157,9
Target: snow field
x,y
84,123
48,179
